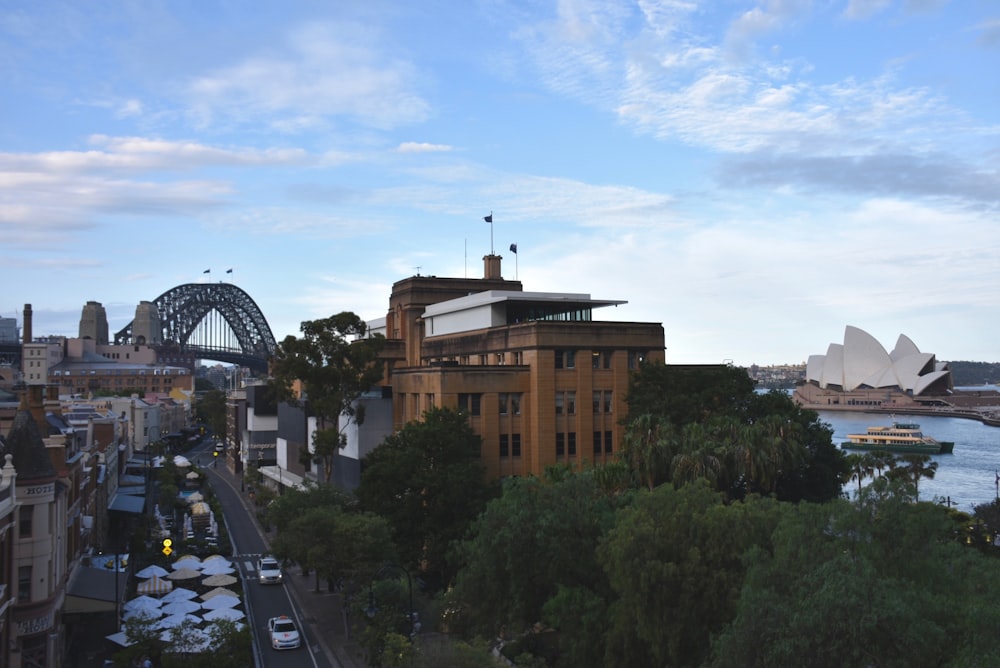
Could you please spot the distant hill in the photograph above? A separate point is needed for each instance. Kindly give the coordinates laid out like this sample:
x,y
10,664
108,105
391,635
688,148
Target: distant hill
x,y
975,373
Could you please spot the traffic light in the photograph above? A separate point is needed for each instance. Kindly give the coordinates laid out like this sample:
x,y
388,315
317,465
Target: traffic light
x,y
167,550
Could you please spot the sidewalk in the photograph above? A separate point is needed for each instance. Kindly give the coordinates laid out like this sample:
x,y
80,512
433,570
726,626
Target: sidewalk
x,y
321,611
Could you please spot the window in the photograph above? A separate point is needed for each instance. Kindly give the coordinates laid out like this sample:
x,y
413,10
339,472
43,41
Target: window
x,y
560,444
500,358
24,518
571,443
519,358
565,359
502,400
607,442
566,401
24,584
598,438
515,403
470,403
504,445
600,359
430,401
515,445
635,358
602,401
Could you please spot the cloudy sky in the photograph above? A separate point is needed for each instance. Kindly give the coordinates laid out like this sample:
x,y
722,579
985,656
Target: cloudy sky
x,y
753,175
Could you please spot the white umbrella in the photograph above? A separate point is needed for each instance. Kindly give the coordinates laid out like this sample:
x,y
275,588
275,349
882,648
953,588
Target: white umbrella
x,y
181,607
189,561
176,620
193,475
120,638
224,613
181,461
217,567
220,602
142,603
195,497
151,571
144,613
179,594
218,591
213,557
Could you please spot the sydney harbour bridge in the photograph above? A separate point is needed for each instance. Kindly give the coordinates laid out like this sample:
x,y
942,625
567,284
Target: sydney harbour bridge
x,y
215,321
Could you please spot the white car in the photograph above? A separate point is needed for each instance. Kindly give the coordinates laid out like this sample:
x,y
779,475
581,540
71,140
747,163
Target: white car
x,y
268,570
283,633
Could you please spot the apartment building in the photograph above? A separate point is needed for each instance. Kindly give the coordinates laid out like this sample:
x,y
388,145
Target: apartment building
x,y
542,382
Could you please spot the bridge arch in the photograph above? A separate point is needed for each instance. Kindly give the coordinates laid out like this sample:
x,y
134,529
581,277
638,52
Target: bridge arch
x,y
216,321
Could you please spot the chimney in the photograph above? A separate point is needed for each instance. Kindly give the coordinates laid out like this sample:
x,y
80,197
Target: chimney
x,y
27,323
491,267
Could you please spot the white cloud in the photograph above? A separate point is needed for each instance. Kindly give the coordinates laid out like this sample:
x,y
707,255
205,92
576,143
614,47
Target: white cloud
x,y
322,71
422,147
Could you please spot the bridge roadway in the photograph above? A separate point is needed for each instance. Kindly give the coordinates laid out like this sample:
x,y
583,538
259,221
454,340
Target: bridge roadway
x,y
318,615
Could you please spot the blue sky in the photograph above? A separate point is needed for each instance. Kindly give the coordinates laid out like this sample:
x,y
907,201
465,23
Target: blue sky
x,y
753,175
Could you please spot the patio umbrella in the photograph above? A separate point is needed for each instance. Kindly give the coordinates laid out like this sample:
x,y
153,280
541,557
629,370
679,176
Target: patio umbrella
x,y
192,475
184,574
151,571
187,561
217,567
219,580
231,614
176,620
218,602
181,461
195,497
213,557
181,607
119,638
155,585
179,594
147,613
142,603
219,591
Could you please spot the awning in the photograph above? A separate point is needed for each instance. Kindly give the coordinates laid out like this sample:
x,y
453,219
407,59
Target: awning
x,y
128,503
94,590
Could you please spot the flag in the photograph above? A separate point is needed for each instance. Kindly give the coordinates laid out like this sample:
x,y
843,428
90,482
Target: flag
x,y
513,249
229,271
207,271
489,218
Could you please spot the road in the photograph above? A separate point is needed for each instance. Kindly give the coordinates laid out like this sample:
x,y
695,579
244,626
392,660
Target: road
x,y
262,601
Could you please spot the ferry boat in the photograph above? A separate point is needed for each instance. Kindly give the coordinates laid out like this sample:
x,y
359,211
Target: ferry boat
x,y
901,437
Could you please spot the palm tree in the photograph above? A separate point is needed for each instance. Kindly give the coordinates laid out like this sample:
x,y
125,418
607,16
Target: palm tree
x,y
914,467
647,446
861,467
697,458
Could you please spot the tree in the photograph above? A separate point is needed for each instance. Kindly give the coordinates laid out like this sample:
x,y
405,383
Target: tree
x,y
877,582
674,562
683,394
862,467
334,373
912,467
428,482
530,556
648,447
210,409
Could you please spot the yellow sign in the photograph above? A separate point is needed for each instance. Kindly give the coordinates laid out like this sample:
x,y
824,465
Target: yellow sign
x,y
167,542
167,551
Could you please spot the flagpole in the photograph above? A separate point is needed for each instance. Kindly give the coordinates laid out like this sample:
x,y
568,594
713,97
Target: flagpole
x,y
491,233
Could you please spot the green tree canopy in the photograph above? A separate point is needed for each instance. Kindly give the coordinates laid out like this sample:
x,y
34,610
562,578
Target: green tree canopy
x,y
877,582
428,481
210,408
674,561
535,545
334,372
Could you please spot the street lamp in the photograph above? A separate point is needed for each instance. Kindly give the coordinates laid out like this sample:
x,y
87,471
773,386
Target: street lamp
x,y
371,610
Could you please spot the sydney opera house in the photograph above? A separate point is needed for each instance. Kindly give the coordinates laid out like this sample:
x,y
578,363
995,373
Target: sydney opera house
x,y
859,373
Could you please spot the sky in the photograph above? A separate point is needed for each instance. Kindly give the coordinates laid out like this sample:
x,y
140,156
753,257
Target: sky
x,y
755,176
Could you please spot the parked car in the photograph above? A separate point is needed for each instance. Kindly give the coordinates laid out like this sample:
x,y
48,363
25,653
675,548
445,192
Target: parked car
x,y
283,633
268,570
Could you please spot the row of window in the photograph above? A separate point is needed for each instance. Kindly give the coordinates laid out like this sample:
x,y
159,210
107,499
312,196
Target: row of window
x,y
564,359
122,372
510,444
509,403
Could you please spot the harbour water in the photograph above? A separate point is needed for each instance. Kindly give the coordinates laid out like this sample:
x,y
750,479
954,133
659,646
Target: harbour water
x,y
968,476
